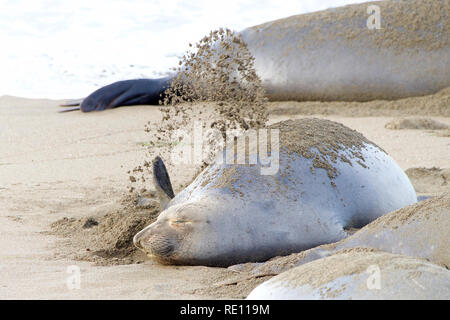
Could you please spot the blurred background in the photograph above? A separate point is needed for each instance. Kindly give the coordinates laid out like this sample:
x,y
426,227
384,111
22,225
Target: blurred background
x,y
66,49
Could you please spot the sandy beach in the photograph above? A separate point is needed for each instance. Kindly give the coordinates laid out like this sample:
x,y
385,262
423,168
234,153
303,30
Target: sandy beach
x,y
74,165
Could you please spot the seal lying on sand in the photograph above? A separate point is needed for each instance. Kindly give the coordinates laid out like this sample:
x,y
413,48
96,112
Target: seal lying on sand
x,y
329,178
359,274
420,230
332,55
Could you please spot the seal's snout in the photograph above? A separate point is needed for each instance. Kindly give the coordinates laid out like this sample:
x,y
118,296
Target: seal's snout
x,y
154,243
139,239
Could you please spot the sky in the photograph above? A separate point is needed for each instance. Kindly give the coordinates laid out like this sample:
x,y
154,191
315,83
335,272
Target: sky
x,y
67,49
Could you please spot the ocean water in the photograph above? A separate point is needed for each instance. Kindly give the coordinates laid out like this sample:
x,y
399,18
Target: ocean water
x,y
66,49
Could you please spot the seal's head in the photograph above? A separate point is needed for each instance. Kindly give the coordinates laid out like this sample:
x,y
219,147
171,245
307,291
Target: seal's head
x,y
212,227
209,231
182,234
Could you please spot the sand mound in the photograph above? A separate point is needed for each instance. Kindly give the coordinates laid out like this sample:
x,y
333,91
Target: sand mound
x,y
232,288
429,180
416,123
108,238
430,105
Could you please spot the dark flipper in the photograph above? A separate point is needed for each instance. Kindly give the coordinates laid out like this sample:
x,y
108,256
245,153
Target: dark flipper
x,y
162,182
125,93
72,103
69,109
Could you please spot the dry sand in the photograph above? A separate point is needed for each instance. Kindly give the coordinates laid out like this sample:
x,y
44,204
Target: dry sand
x,y
74,166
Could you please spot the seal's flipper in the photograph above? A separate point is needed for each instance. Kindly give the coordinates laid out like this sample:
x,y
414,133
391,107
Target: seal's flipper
x,y
126,93
72,103
69,109
162,182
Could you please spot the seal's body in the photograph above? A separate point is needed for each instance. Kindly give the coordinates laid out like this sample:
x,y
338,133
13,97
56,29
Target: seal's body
x,y
359,274
335,54
419,230
329,178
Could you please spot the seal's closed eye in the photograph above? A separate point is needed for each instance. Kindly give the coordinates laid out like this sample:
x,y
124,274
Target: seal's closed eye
x,y
178,222
162,182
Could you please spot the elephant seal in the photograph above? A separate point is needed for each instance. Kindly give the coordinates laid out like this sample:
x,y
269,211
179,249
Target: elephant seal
x,y
359,273
333,54
419,230
329,178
